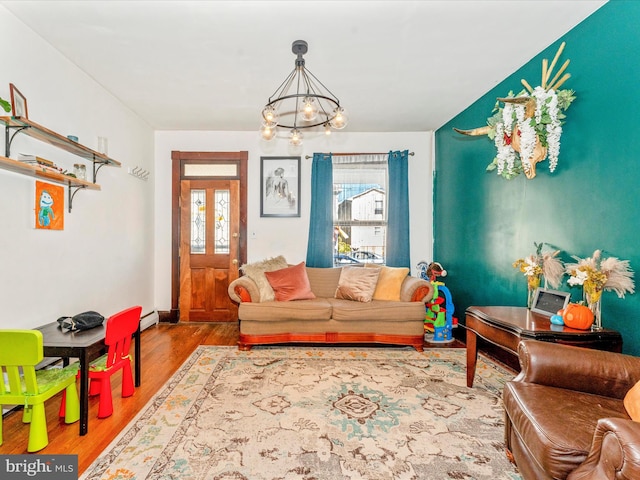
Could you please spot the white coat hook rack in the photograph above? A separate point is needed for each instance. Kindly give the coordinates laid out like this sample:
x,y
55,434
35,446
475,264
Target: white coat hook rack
x,y
140,173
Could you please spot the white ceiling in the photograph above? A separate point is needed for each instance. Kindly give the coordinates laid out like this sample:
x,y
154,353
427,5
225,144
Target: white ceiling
x,y
211,65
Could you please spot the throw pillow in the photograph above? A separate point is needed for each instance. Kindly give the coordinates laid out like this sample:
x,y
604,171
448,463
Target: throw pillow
x,y
632,402
291,283
357,283
243,293
255,271
390,283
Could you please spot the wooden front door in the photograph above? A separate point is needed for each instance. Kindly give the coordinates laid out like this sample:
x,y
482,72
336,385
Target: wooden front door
x,y
210,226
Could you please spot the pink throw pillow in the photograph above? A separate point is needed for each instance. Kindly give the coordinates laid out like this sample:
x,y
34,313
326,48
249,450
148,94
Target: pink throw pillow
x,y
291,283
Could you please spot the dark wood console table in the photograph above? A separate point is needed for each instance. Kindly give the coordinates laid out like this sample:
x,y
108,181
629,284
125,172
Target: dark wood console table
x,y
506,326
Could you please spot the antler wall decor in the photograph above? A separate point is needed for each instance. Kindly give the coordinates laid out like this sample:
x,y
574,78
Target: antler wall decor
x,y
529,126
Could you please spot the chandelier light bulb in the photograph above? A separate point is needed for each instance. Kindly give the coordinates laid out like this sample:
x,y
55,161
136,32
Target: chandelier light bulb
x,y
268,132
340,118
270,115
309,111
327,129
295,138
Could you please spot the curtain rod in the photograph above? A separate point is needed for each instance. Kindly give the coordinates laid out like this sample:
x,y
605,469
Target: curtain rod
x,y
350,154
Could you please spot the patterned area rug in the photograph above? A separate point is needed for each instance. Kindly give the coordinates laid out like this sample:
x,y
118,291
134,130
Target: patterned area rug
x,y
317,413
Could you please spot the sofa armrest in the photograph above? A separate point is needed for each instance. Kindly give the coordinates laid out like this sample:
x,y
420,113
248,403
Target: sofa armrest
x,y
415,290
614,454
591,371
243,287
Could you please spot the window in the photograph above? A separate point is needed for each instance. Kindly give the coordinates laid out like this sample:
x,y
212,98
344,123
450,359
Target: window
x,y
379,210
359,214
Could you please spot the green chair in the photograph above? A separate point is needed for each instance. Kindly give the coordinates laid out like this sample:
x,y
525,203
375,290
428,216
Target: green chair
x,y
20,352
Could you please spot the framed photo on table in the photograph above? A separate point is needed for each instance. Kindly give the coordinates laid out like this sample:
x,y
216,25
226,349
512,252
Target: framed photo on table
x,y
279,186
18,102
548,302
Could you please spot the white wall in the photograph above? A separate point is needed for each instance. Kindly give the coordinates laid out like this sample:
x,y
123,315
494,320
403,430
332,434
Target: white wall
x,y
103,259
287,236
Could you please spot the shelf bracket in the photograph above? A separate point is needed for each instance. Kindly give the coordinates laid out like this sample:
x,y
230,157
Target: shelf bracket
x,y
73,194
96,170
8,139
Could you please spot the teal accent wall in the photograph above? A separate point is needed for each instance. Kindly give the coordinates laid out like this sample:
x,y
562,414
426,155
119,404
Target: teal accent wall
x,y
483,223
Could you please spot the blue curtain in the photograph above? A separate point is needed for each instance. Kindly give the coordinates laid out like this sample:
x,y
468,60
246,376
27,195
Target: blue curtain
x,y
320,247
398,245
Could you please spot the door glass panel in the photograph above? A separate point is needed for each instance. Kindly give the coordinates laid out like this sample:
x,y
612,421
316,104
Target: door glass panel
x,y
210,170
198,217
222,221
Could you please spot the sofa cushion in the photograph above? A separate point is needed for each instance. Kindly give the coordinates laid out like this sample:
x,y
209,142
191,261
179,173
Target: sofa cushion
x,y
377,310
255,271
301,310
323,281
357,283
631,402
290,283
389,283
555,424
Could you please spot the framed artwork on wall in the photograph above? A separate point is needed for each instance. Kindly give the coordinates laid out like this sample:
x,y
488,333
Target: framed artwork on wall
x,y
279,186
18,102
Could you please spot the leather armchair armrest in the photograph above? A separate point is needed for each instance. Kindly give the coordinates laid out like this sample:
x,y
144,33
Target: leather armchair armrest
x,y
581,369
614,454
237,294
415,287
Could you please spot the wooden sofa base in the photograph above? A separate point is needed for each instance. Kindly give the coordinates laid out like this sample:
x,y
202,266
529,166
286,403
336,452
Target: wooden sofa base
x,y
247,341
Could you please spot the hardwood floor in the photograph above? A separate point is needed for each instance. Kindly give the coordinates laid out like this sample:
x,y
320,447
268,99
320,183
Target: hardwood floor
x,y
165,347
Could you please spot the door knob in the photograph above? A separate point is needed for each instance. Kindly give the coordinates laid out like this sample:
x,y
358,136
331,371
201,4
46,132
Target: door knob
x,y
234,261
234,235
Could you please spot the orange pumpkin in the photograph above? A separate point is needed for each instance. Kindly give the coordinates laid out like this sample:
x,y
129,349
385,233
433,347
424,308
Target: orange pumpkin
x,y
577,316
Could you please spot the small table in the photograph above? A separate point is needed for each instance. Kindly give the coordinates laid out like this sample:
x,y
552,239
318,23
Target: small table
x,y
86,346
506,326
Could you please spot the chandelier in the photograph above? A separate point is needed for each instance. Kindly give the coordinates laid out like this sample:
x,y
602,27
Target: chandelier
x,y
301,102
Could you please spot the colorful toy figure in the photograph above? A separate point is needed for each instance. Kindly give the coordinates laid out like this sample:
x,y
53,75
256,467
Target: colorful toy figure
x,y
439,319
45,215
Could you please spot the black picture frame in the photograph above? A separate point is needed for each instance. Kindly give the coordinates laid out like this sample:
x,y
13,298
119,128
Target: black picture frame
x,y
547,302
279,186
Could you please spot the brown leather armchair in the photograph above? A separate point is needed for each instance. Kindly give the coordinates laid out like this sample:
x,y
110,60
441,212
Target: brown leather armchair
x,y
564,414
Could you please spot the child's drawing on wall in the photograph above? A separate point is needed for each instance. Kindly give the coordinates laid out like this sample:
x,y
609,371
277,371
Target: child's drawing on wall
x,y
49,206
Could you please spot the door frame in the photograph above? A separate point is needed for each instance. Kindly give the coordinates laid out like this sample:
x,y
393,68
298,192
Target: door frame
x,y
179,159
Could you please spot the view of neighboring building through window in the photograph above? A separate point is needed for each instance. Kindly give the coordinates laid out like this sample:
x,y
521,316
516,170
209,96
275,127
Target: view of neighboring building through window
x,y
359,213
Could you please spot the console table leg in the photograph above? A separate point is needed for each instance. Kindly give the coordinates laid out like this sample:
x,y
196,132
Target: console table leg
x,y
472,356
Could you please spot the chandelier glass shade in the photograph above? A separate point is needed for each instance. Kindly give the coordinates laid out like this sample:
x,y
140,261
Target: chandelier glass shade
x,y
300,102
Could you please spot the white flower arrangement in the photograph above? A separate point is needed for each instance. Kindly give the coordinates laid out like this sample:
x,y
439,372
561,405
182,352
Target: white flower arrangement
x,y
545,126
527,129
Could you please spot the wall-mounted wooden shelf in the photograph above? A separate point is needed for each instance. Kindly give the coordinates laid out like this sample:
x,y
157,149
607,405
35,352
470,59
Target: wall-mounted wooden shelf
x,y
15,125
73,183
35,171
34,130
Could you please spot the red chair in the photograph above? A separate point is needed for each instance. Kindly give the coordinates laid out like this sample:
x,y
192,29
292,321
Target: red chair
x,y
119,330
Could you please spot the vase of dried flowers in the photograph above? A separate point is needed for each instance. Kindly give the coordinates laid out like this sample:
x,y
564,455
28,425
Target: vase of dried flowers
x,y
596,274
537,266
533,282
592,297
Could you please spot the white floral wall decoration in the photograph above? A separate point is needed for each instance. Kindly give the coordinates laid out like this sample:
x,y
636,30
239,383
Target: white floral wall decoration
x,y
527,129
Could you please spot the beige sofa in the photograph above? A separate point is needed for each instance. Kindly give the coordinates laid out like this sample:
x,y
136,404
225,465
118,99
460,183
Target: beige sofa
x,y
329,320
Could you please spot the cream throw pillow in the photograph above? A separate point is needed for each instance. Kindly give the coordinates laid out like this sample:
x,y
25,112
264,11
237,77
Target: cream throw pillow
x,y
632,402
390,283
255,271
357,283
